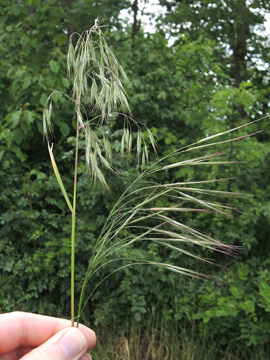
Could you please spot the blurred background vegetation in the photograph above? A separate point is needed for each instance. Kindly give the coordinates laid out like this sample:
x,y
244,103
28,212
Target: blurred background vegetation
x,y
204,68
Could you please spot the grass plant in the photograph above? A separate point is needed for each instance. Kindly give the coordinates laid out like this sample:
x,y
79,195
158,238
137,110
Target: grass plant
x,y
100,100
165,342
160,339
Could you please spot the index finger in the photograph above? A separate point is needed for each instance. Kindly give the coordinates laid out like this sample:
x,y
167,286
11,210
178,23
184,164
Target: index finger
x,y
26,329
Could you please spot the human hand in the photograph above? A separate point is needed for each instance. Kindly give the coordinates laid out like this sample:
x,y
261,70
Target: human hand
x,y
29,336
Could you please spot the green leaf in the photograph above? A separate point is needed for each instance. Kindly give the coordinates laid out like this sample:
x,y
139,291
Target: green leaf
x,y
29,116
54,66
2,154
243,272
65,82
24,40
65,129
26,82
16,118
237,292
138,316
3,19
168,140
18,135
43,99
50,80
161,95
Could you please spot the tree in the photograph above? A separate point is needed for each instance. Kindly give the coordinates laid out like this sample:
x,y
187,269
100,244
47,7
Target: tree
x,y
234,24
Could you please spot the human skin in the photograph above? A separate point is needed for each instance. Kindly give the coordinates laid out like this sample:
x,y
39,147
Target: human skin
x,y
36,337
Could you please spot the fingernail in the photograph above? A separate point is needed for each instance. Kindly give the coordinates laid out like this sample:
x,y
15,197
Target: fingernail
x,y
86,357
73,343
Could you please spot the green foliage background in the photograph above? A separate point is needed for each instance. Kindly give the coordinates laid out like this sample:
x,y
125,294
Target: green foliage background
x,y
212,77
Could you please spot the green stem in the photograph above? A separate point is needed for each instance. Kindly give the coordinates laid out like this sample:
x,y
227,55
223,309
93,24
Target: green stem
x,y
73,227
72,267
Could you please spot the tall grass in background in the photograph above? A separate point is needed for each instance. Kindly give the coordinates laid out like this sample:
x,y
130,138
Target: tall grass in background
x,y
100,102
166,343
160,339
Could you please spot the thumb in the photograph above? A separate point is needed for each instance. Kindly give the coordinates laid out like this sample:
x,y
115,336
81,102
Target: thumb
x,y
67,344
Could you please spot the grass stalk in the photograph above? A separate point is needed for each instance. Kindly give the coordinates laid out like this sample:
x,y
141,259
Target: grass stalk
x,y
98,80
72,274
73,231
